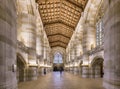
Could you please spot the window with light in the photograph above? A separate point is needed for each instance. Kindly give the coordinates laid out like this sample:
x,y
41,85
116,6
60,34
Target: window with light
x,y
99,33
58,58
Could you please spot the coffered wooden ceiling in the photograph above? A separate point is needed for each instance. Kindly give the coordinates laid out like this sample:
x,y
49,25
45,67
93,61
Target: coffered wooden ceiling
x,y
60,18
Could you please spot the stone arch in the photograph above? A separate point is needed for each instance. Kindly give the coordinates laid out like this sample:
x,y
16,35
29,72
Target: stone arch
x,y
62,52
20,68
58,54
92,11
21,58
97,67
95,59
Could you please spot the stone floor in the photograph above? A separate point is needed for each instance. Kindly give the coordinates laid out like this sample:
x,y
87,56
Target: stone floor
x,y
65,81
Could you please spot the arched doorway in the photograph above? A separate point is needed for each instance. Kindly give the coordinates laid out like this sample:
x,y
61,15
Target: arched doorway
x,y
58,62
20,69
97,66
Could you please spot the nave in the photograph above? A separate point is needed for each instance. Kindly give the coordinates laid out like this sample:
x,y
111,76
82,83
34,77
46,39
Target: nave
x,y
54,80
79,36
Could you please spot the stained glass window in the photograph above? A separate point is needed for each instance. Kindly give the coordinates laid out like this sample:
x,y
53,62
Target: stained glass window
x,y
58,58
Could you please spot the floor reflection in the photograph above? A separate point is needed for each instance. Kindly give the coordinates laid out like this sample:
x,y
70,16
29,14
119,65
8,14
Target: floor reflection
x,y
65,81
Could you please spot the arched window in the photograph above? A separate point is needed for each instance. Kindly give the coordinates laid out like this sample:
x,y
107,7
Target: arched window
x,y
58,58
99,33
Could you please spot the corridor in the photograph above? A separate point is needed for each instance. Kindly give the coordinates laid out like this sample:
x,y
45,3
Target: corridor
x,y
65,81
80,37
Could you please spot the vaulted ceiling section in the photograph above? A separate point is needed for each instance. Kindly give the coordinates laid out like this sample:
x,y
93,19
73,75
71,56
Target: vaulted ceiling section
x,y
60,18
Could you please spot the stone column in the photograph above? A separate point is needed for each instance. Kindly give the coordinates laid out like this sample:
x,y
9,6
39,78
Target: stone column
x,y
85,71
85,67
70,69
41,70
32,73
27,31
112,44
29,39
80,70
89,37
75,70
88,43
92,72
8,41
32,69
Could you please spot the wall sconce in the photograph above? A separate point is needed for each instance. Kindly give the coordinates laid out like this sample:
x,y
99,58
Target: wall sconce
x,y
14,68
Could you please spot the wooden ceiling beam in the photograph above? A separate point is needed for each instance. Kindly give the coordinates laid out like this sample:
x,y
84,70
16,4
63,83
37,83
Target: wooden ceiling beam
x,y
58,46
59,21
47,2
58,41
70,12
58,27
58,34
50,8
73,8
76,4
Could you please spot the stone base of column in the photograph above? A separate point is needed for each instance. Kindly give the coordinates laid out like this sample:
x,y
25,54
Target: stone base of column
x,y
110,84
70,70
76,71
32,73
47,70
85,72
80,70
91,72
73,70
41,71
7,86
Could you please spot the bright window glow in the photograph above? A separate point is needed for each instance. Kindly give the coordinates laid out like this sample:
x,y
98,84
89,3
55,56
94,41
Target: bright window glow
x,y
58,58
99,33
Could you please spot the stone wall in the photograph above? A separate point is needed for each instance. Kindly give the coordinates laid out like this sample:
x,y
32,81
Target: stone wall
x,y
8,45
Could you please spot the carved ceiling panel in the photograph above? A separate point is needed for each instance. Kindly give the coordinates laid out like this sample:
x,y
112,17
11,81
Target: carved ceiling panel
x,y
60,18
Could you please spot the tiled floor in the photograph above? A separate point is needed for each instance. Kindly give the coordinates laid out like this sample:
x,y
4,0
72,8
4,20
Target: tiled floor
x,y
65,81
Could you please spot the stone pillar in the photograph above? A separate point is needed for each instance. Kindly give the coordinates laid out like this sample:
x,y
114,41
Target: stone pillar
x,y
97,71
39,71
85,67
80,70
75,70
92,72
32,70
112,44
89,37
70,69
32,73
42,71
88,43
8,41
85,71
28,37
